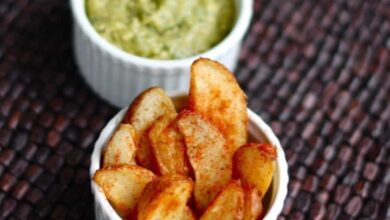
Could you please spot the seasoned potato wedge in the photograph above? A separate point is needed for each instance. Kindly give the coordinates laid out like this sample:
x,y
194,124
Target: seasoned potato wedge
x,y
123,186
165,198
167,145
121,148
253,207
141,114
147,107
228,205
215,94
144,155
188,214
254,164
207,155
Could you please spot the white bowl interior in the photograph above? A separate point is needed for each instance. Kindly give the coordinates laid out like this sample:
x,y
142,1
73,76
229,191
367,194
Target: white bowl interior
x,y
258,130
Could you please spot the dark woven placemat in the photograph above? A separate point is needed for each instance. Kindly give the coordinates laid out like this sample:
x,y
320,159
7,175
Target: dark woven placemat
x,y
317,71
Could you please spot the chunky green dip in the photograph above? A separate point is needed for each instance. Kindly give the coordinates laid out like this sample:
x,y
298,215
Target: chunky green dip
x,y
162,29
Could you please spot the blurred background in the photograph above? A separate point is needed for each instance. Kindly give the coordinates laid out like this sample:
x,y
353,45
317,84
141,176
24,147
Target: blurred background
x,y
317,71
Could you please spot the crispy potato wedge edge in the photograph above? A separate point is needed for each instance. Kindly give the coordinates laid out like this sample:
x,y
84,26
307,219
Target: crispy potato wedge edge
x,y
215,94
229,204
147,107
208,156
168,147
253,207
123,185
165,197
121,148
141,114
254,165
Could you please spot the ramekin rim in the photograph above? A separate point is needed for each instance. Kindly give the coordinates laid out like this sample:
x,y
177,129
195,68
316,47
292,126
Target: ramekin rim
x,y
235,36
283,177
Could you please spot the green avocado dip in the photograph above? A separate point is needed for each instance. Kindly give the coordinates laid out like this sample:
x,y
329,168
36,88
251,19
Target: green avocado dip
x,y
162,29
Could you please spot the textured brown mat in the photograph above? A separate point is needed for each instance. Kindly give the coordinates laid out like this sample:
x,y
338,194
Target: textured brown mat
x,y
317,71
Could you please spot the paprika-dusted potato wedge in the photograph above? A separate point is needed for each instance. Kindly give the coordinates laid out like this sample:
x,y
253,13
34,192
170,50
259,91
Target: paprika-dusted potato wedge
x,y
168,147
207,155
253,207
215,94
254,164
123,186
229,204
141,114
165,198
188,214
121,148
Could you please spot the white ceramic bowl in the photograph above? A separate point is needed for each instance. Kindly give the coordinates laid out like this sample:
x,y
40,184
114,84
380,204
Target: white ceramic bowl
x,y
118,76
258,130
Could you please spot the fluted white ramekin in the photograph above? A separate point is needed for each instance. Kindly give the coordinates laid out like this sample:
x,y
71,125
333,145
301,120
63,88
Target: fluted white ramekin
x,y
258,129
118,76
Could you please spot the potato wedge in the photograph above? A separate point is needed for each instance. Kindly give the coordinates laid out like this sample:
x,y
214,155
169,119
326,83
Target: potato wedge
x,y
165,198
228,205
121,148
215,94
188,214
168,147
254,164
144,155
253,207
123,186
145,109
207,155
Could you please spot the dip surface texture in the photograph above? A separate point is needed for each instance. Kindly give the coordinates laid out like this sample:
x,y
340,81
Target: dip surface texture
x,y
162,29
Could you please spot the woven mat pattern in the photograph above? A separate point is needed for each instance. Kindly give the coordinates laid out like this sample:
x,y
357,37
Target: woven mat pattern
x,y
317,71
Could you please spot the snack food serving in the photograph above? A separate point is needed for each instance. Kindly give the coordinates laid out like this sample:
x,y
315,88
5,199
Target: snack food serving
x,y
213,171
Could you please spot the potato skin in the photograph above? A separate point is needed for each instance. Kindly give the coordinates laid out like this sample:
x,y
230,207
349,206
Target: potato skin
x,y
141,114
188,214
147,107
229,204
165,198
208,157
216,95
253,208
168,146
121,148
123,185
254,165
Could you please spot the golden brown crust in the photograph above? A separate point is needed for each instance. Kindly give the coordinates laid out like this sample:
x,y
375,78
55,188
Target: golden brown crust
x,y
121,148
215,94
165,198
141,114
168,146
207,155
188,214
253,207
134,111
123,186
229,204
254,165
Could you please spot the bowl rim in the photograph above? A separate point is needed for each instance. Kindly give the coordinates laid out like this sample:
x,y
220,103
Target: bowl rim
x,y
234,37
281,173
